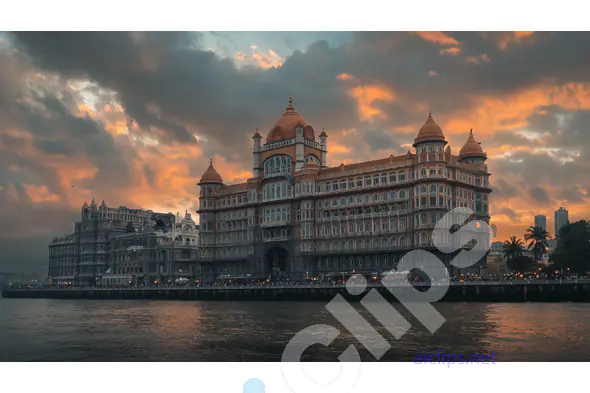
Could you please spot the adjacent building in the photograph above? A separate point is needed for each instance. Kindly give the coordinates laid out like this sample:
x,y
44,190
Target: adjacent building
x,y
297,217
541,221
561,219
138,245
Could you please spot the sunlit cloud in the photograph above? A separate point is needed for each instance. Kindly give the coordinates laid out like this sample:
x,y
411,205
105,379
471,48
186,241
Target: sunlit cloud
x,y
366,96
438,37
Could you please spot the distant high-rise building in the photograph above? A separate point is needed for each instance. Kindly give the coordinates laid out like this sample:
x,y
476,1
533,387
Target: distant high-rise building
x,y
541,221
561,218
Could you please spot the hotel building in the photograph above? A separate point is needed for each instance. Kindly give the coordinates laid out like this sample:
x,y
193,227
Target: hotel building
x,y
105,248
297,217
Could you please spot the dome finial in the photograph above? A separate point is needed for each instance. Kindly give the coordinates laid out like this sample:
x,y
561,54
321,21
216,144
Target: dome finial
x,y
290,107
471,132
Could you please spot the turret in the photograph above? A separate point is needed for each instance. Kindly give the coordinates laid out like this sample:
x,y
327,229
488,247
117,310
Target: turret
x,y
324,148
472,152
256,151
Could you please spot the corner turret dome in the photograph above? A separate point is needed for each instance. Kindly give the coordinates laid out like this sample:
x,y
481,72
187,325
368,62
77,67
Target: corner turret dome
x,y
211,175
471,148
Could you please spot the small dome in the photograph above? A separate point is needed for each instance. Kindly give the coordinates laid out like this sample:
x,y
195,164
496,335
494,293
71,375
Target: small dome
x,y
430,131
285,127
211,175
471,148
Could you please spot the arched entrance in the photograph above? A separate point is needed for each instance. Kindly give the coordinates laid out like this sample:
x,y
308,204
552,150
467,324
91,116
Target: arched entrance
x,y
277,261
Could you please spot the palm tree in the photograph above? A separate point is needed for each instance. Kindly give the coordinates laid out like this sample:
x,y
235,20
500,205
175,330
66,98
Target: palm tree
x,y
513,248
537,238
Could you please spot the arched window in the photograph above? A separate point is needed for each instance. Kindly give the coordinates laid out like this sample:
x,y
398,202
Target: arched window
x,y
367,244
433,188
423,172
375,244
384,243
384,196
402,194
359,244
423,190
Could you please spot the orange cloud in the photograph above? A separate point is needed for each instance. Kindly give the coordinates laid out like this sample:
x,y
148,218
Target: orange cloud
x,y
365,96
478,59
438,37
345,77
338,149
39,194
511,112
514,37
450,51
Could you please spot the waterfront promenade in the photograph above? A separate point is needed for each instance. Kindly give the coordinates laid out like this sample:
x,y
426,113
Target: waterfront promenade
x,y
488,291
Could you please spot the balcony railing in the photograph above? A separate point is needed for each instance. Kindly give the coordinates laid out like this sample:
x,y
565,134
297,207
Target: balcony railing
x,y
277,239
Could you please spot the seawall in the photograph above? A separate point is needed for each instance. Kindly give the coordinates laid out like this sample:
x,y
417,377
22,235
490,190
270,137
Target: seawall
x,y
543,291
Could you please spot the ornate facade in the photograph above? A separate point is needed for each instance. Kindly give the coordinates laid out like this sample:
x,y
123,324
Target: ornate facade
x,y
160,247
297,217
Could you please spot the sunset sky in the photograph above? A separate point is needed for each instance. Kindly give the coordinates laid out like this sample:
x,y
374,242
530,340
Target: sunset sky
x,y
67,100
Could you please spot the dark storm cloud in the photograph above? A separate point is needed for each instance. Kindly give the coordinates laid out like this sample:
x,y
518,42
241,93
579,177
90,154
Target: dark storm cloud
x,y
508,212
501,189
175,89
539,195
572,195
196,88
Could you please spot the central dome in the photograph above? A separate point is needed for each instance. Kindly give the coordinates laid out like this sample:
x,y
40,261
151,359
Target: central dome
x,y
430,131
285,127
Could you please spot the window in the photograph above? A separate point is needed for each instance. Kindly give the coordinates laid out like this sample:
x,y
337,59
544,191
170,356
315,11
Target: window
x,y
359,182
401,177
350,184
367,180
433,188
423,172
392,177
402,194
376,180
432,172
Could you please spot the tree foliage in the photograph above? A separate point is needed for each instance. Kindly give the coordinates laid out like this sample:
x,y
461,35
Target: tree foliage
x,y
573,248
537,238
521,263
513,248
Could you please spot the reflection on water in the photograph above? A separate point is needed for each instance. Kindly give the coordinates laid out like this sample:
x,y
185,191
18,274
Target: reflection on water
x,y
139,330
